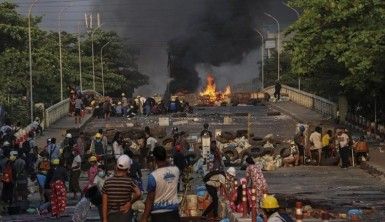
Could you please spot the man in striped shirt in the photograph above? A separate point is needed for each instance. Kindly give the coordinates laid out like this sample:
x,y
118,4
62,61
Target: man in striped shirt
x,y
119,193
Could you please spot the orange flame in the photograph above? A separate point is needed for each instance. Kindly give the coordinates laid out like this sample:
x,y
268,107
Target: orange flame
x,y
210,91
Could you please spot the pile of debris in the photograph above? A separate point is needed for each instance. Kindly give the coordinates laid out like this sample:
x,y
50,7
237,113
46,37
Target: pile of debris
x,y
267,152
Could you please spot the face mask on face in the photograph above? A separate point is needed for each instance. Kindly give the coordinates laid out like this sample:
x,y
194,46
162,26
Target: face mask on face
x,y
101,174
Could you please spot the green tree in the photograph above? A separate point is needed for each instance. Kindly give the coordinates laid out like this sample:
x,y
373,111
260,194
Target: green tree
x,y
121,70
340,42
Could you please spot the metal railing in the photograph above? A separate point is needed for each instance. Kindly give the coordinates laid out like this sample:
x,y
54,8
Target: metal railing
x,y
59,110
311,101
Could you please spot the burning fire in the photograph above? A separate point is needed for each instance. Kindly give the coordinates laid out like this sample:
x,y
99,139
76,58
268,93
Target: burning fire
x,y
210,91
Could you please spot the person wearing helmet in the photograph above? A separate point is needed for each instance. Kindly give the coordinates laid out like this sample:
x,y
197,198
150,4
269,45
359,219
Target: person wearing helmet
x,y
53,150
271,208
67,146
97,145
299,140
119,193
92,171
56,180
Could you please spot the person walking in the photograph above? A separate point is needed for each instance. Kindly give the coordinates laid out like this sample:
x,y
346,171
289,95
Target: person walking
x,y
316,144
43,167
75,173
124,105
299,140
78,109
53,150
255,176
92,171
162,202
344,149
80,143
7,177
97,146
58,189
214,181
117,145
326,144
180,162
107,108
277,90
135,169
21,178
119,193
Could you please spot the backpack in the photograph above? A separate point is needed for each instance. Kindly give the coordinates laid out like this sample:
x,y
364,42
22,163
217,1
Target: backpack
x,y
212,173
44,165
26,147
7,173
99,148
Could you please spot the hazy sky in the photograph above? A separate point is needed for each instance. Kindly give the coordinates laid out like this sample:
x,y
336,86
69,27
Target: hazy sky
x,y
149,24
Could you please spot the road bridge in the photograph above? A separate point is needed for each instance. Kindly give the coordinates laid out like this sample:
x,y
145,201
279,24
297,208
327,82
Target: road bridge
x,y
331,188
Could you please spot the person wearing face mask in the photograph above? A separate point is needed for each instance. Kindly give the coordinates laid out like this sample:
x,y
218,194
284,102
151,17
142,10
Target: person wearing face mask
x,y
75,172
92,172
101,177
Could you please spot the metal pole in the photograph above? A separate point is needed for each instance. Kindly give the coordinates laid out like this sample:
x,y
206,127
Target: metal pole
x,y
80,60
278,42
93,62
60,53
30,59
93,58
101,64
297,13
262,58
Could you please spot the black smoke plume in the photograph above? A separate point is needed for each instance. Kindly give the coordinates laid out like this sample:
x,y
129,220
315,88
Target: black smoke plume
x,y
224,34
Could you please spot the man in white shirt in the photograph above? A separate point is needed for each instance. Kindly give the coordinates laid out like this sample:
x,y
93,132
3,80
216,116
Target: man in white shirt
x,y
343,140
162,202
316,143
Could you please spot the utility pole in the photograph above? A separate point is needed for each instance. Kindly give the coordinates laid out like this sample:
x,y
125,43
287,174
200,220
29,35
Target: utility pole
x,y
101,64
90,27
80,59
60,53
298,15
262,58
278,43
30,59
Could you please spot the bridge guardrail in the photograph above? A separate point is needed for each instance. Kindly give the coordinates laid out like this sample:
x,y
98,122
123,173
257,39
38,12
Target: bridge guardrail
x,y
59,110
311,101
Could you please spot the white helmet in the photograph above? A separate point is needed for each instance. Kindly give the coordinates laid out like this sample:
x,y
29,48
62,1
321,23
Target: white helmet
x,y
68,135
123,94
231,171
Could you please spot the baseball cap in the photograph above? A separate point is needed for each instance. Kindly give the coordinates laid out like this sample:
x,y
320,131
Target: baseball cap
x,y
124,162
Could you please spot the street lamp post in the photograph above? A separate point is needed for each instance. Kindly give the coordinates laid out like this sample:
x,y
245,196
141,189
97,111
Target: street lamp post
x,y
297,13
101,64
30,58
278,42
93,57
262,58
60,52
80,60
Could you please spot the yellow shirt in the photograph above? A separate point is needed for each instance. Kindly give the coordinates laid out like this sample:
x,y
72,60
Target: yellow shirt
x,y
325,140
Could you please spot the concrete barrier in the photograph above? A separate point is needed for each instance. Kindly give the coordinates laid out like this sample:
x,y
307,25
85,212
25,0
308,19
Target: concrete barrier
x,y
311,101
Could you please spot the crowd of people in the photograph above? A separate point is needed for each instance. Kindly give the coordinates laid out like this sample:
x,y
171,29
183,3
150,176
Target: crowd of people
x,y
130,107
330,147
57,168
